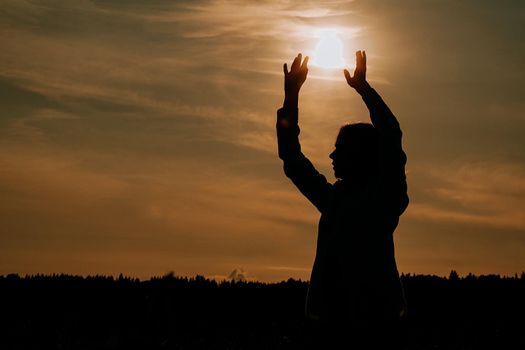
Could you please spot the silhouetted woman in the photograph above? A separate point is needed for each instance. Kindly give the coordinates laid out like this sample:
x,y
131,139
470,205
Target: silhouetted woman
x,y
355,295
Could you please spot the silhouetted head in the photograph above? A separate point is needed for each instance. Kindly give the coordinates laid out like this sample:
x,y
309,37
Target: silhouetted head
x,y
356,154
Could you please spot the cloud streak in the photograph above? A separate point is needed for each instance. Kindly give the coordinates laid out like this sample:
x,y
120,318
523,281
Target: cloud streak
x,y
479,193
139,136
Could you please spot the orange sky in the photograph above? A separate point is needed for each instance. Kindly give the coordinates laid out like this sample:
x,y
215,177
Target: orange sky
x,y
138,136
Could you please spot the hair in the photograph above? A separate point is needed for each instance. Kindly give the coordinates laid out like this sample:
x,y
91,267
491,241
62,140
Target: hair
x,y
363,140
364,133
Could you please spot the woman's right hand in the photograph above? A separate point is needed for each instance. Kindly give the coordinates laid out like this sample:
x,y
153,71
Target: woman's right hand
x,y
294,79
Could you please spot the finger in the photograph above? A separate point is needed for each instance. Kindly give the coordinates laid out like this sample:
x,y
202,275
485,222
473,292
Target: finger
x,y
358,58
305,63
347,76
363,68
299,59
285,69
296,63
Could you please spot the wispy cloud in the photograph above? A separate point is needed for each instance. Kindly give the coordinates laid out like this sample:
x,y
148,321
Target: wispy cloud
x,y
132,130
477,193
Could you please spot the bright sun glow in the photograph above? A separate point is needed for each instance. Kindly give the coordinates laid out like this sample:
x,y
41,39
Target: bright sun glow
x,y
329,50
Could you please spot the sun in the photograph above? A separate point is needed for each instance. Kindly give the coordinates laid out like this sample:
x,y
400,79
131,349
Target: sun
x,y
329,50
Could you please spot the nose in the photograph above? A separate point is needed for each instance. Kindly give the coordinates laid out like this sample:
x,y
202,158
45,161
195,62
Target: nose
x,y
332,155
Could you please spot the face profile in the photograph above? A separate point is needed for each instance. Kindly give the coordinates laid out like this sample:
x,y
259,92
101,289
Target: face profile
x,y
356,152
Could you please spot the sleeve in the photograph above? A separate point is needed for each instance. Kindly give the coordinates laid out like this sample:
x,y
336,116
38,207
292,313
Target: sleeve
x,y
393,158
297,167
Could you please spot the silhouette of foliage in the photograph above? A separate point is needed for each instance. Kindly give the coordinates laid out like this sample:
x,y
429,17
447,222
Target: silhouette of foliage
x,y
171,312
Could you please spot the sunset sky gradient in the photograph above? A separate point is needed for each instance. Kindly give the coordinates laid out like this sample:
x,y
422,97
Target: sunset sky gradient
x,y
139,136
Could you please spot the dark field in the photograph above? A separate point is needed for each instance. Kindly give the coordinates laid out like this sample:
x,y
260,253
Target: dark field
x,y
69,312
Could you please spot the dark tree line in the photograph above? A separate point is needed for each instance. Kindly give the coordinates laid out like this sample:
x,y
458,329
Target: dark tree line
x,y
99,312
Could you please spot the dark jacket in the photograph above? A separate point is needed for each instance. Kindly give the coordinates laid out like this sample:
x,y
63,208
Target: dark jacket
x,y
354,276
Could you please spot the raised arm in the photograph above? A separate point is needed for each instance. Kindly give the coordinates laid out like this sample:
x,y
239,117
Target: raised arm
x,y
380,115
296,166
393,157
